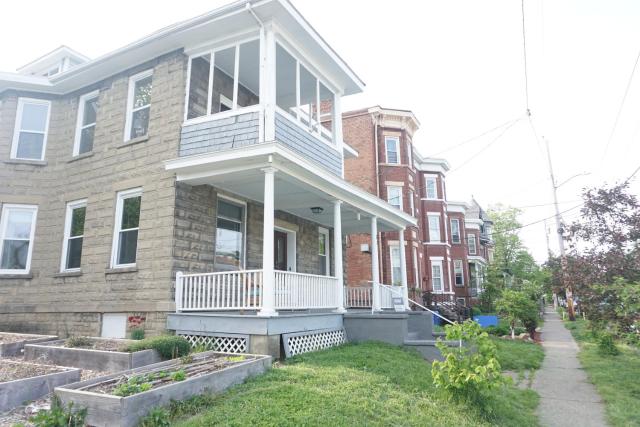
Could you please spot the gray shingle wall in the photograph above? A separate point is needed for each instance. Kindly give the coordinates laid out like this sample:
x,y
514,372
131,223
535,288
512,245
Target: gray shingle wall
x,y
302,142
219,135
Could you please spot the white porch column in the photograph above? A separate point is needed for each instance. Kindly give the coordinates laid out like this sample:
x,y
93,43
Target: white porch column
x,y
268,278
375,269
337,252
403,268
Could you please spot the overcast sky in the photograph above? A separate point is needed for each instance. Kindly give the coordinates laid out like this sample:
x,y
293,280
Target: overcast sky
x,y
457,64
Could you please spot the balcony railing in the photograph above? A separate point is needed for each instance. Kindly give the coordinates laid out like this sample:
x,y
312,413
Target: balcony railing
x,y
305,291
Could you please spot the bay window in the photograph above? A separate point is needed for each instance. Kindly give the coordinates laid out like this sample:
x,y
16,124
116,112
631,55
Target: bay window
x,y
392,149
17,228
394,196
471,239
434,227
31,129
455,231
430,188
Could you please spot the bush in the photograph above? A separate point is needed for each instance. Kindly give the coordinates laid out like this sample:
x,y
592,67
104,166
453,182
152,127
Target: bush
x,y
137,333
59,416
467,372
158,417
607,346
517,306
168,346
500,330
73,342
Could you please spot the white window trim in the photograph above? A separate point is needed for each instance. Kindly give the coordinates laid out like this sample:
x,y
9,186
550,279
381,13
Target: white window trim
x,y
400,198
459,231
431,238
4,215
437,262
475,244
427,179
410,155
392,247
416,268
120,197
18,127
412,203
79,127
130,95
386,150
244,227
67,231
325,232
461,272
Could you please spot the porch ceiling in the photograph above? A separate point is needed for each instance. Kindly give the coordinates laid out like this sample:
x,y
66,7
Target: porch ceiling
x,y
296,192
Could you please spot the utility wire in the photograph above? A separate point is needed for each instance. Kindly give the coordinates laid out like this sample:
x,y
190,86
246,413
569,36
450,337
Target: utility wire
x,y
535,222
632,175
524,52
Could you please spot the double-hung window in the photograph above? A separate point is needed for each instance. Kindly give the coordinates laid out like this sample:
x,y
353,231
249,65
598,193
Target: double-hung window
x,y
86,124
411,203
138,105
323,251
436,276
127,224
392,149
17,228
430,187
434,228
73,236
458,272
455,231
31,129
396,271
394,196
416,268
471,239
230,230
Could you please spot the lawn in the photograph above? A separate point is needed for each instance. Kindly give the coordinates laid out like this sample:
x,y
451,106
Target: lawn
x,y
517,355
369,384
617,378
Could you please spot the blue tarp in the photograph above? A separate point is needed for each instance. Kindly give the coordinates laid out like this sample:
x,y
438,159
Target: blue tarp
x,y
486,321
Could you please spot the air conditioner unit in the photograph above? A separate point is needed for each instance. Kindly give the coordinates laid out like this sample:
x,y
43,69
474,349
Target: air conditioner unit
x,y
364,247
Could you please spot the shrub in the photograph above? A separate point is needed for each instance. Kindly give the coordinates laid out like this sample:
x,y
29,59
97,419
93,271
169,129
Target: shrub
x,y
168,346
158,417
59,416
137,333
467,372
499,330
78,342
607,346
517,306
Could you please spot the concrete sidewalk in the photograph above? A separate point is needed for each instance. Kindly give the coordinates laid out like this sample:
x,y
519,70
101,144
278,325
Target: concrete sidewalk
x,y
566,396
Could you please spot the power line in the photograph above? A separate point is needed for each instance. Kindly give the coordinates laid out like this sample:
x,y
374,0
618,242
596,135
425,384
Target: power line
x,y
535,222
524,52
632,175
539,205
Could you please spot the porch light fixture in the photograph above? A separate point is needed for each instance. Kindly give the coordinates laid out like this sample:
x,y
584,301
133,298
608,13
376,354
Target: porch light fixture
x,y
317,209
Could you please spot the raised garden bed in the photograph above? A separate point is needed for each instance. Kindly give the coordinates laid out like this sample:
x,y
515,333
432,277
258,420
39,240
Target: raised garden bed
x,y
122,399
98,354
22,381
11,344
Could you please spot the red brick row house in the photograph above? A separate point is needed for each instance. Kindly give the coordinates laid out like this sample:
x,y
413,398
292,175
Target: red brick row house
x,y
446,253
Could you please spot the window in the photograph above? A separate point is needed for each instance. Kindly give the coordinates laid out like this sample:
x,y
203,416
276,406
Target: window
x,y
86,125
455,231
436,276
416,270
30,133
434,227
127,223
302,95
392,148
138,105
396,270
461,302
458,272
394,196
430,188
230,230
73,235
410,154
471,239
489,231
323,251
411,203
17,227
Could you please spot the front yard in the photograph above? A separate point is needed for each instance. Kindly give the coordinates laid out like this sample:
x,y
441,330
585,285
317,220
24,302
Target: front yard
x,y
356,384
617,378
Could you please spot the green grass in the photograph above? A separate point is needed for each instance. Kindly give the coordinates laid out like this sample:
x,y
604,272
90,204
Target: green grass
x,y
617,378
370,384
518,355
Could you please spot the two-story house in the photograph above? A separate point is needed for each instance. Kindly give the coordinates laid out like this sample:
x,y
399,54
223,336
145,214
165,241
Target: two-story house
x,y
192,180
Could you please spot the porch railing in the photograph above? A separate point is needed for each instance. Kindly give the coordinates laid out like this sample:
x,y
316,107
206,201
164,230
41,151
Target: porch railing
x,y
227,290
302,291
358,296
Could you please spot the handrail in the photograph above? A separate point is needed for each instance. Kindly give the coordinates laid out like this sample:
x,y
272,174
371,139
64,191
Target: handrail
x,y
419,305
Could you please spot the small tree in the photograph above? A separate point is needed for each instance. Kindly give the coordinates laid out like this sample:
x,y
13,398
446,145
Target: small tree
x,y
517,306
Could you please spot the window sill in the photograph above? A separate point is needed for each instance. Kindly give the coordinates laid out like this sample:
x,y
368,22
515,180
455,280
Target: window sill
x,y
26,162
134,141
68,274
28,276
80,157
118,270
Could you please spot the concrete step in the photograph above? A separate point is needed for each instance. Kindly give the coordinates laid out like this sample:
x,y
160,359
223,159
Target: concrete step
x,y
428,348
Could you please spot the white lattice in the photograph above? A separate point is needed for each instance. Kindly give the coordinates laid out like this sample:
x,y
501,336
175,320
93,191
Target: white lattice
x,y
223,344
315,341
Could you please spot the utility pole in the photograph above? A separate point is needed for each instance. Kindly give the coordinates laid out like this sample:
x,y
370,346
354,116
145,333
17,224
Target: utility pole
x,y
559,229
546,236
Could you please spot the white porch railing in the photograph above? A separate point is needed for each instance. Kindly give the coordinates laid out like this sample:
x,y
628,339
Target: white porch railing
x,y
227,290
358,296
300,291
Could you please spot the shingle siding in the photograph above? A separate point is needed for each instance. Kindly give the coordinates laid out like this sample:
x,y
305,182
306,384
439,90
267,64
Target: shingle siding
x,y
219,135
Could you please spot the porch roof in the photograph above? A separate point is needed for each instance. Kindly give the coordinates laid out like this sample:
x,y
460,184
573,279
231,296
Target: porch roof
x,y
299,186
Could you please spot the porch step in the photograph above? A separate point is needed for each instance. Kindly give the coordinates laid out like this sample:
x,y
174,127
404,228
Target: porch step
x,y
428,348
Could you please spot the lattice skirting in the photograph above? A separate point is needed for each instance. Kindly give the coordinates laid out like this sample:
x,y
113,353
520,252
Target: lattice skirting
x,y
304,342
223,343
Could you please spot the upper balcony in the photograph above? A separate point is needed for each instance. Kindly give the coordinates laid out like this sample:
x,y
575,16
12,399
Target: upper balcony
x,y
259,88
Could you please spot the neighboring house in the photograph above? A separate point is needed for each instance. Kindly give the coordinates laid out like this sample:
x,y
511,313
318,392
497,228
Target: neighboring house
x,y
436,249
183,181
479,245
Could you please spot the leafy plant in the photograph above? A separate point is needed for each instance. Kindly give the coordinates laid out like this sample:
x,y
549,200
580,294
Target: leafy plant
x,y
516,306
74,342
238,358
467,372
158,417
137,333
168,346
607,345
59,416
179,375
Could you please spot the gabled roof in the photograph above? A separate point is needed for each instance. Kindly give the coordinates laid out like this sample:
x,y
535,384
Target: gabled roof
x,y
219,22
52,58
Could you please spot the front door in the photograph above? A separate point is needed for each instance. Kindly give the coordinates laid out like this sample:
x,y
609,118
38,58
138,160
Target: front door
x,y
280,250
